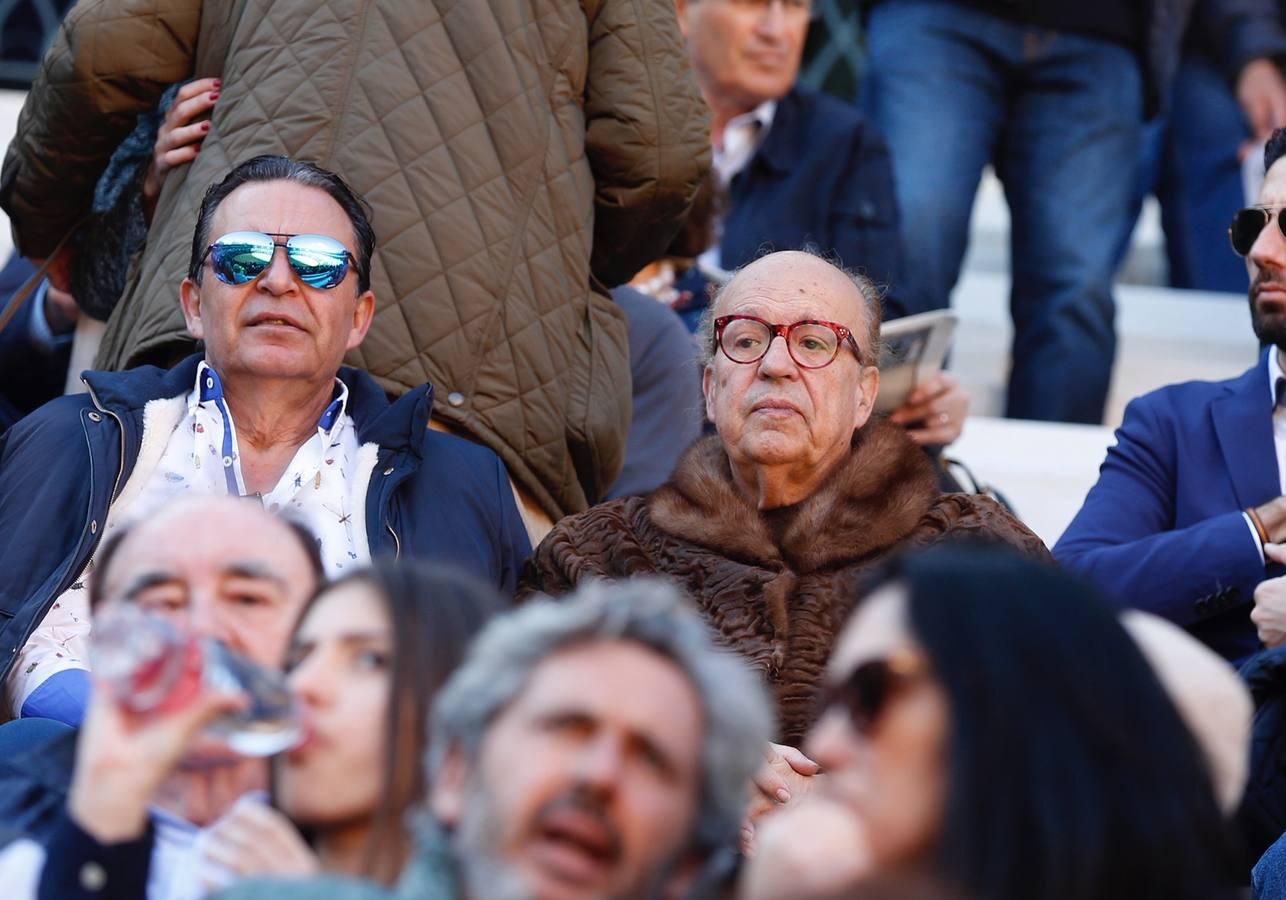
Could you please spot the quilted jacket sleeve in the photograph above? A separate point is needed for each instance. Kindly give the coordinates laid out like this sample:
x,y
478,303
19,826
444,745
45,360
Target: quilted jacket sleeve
x,y
111,60
647,133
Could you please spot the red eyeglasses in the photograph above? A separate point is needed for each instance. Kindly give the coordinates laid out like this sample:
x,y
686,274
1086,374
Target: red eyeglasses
x,y
812,343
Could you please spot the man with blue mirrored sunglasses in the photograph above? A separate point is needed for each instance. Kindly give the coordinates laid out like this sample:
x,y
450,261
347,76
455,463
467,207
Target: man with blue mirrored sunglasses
x,y
319,261
278,291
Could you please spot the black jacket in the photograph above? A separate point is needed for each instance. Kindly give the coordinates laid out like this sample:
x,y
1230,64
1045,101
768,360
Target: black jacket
x,y
1263,810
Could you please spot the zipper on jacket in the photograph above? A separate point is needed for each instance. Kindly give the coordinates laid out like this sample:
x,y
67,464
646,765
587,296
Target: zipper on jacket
x,y
397,543
120,428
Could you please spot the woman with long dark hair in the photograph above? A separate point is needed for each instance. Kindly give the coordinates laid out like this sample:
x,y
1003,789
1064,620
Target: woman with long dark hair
x,y
989,724
368,655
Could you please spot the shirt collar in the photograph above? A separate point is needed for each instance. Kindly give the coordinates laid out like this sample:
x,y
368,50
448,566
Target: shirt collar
x,y
741,138
209,389
1274,373
762,115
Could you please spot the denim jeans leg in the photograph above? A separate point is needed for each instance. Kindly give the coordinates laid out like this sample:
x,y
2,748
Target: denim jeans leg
x,y
1200,188
934,88
1069,165
1151,149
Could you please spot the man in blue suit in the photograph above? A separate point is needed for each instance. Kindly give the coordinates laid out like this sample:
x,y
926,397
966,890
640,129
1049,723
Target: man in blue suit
x,y
1189,509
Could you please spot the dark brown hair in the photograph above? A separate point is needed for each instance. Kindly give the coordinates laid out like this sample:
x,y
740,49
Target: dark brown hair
x,y
434,612
270,167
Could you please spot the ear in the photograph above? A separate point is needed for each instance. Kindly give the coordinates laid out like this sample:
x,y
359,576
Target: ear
x,y
447,793
707,388
190,300
363,313
681,11
868,388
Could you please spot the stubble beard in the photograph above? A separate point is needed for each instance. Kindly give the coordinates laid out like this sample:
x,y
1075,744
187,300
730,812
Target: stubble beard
x,y
484,875
1269,327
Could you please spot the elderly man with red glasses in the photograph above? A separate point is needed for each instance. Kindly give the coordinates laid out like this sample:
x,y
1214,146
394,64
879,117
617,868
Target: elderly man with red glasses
x,y
1188,517
771,523
278,290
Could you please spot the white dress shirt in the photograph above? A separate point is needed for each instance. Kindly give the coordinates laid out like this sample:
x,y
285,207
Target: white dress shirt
x,y
1279,438
741,139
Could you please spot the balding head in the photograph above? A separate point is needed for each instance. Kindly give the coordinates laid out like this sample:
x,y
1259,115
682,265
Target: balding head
x,y
219,566
788,417
802,271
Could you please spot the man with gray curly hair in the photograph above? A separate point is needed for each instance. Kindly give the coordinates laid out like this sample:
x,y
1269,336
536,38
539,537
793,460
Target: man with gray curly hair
x,y
600,747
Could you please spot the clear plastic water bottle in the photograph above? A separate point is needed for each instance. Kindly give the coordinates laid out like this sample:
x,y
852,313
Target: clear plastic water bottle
x,y
149,665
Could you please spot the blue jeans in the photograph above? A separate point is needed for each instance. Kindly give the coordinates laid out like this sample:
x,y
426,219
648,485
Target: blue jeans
x,y
1190,162
1059,115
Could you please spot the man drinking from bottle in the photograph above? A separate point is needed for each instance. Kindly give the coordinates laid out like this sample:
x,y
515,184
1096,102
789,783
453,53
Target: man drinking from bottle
x,y
212,568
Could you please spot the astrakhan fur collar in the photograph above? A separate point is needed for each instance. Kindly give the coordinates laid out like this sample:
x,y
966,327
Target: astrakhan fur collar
x,y
873,500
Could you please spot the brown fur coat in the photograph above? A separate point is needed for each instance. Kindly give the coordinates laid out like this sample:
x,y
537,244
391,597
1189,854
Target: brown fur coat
x,y
776,585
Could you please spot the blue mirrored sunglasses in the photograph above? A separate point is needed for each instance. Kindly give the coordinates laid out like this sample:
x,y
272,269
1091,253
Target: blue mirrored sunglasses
x,y
242,256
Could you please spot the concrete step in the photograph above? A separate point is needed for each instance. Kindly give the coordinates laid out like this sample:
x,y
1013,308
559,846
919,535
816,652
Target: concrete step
x,y
1043,469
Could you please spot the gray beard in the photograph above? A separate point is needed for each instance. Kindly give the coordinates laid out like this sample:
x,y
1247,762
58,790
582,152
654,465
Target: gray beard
x,y
483,875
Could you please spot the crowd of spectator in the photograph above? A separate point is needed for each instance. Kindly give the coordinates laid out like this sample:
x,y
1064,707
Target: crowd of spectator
x,y
442,517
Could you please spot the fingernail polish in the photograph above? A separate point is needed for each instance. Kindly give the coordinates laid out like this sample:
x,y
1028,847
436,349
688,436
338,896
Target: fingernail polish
x,y
205,126
214,95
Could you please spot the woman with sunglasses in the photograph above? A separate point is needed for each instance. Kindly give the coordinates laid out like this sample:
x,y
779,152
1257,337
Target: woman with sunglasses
x,y
991,725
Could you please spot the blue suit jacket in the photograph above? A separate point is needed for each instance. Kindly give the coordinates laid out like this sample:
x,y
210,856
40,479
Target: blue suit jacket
x,y
1163,529
821,177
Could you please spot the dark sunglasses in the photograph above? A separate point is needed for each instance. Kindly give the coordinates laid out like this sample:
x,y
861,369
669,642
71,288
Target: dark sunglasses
x,y
865,693
242,256
1248,223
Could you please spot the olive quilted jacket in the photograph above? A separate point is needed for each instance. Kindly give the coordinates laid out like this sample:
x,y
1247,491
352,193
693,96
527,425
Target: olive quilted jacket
x,y
520,156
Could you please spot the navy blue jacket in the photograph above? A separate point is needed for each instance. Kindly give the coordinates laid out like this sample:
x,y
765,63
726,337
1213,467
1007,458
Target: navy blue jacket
x,y
432,496
29,375
1163,529
822,176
